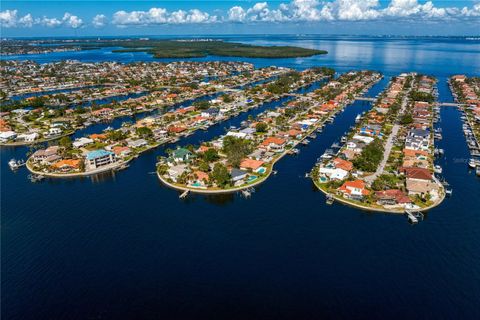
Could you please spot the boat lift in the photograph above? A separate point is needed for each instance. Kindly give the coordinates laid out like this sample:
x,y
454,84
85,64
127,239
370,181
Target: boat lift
x,y
414,216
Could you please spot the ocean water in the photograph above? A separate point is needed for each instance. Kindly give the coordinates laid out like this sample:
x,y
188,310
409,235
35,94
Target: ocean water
x,y
124,246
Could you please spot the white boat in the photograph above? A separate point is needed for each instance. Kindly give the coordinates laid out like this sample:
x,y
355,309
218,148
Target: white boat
x,y
448,192
35,177
305,142
294,151
330,199
437,169
15,164
472,163
357,118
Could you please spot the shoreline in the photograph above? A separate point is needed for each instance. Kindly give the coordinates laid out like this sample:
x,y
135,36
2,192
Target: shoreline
x,y
383,210
167,141
263,178
178,103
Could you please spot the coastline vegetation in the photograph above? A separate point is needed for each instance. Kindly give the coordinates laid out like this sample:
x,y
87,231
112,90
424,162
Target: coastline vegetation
x,y
198,49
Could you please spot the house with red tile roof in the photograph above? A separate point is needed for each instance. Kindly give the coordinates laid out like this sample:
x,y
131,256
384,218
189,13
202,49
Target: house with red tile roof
x,y
355,190
392,197
274,144
251,164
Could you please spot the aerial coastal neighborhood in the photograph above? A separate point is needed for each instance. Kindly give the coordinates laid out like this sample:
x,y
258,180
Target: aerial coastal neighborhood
x,y
245,156
466,91
113,149
48,101
386,162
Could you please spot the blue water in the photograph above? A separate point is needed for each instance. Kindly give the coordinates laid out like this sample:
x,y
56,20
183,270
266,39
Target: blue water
x,y
124,246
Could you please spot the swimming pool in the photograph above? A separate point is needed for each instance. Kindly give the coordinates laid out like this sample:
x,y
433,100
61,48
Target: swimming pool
x,y
261,170
251,179
197,184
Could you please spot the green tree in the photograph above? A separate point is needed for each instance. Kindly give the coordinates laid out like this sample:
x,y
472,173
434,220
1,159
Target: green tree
x,y
202,104
220,175
370,157
116,135
227,98
144,132
236,149
261,127
65,142
210,155
203,166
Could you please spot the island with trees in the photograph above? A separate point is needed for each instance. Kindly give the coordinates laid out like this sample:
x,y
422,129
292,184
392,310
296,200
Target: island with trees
x,y
174,48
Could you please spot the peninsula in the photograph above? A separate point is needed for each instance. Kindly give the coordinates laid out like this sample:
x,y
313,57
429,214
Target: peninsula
x,y
178,48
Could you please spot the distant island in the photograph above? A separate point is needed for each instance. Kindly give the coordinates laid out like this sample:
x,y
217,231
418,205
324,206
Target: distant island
x,y
198,49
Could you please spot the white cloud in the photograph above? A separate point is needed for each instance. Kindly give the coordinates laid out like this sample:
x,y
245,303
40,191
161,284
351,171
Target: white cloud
x,y
72,21
26,21
236,14
293,11
8,18
348,10
50,22
161,16
99,21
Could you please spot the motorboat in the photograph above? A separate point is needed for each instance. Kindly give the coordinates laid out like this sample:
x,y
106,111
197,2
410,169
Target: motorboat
x,y
15,164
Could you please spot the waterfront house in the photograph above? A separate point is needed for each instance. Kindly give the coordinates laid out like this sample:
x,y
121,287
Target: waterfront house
x,y
181,155
28,137
354,190
54,131
103,112
210,113
121,151
201,176
80,142
42,154
176,171
274,144
98,136
371,130
176,129
392,197
251,164
419,181
237,174
51,159
100,158
138,143
66,165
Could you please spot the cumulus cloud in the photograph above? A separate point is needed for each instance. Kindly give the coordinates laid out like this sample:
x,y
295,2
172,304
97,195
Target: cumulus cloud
x,y
99,21
156,16
72,21
8,18
293,11
348,10
236,14
26,21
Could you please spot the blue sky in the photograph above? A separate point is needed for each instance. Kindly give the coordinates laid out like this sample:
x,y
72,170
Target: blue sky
x,y
106,17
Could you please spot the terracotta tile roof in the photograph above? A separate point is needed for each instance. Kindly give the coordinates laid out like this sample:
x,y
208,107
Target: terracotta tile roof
x,y
273,140
251,164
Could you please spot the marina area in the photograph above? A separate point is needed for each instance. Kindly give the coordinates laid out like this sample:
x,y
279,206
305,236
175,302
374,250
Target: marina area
x,y
387,160
122,243
114,148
